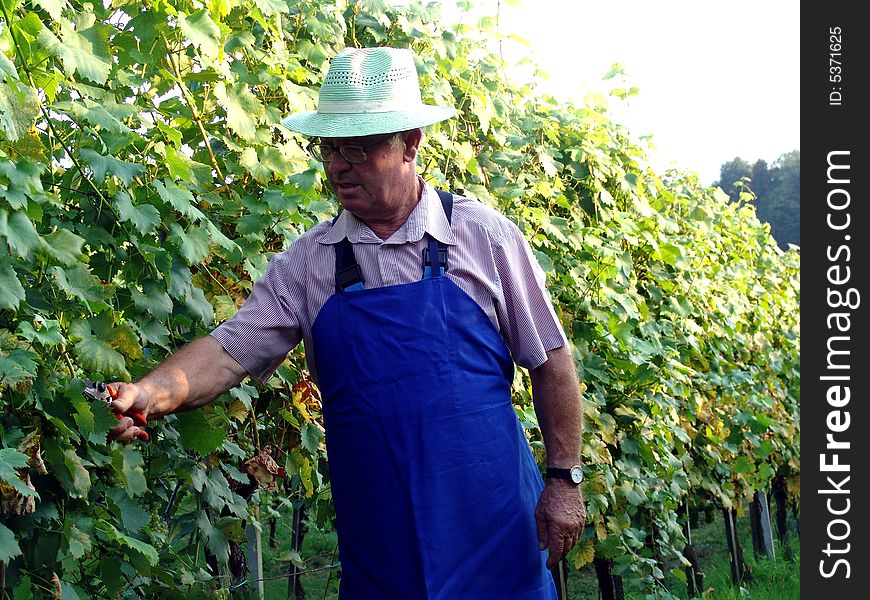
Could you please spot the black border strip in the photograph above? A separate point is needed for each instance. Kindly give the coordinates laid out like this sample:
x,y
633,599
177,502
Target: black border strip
x,y
834,301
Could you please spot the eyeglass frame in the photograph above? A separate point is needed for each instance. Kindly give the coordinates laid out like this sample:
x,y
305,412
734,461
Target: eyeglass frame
x,y
315,149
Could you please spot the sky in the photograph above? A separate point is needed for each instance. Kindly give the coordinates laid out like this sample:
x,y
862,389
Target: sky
x,y
717,80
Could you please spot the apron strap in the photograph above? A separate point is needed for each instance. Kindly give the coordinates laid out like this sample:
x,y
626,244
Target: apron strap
x,y
438,248
348,275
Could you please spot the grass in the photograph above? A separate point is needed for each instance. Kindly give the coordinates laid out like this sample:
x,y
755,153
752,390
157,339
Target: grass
x,y
775,579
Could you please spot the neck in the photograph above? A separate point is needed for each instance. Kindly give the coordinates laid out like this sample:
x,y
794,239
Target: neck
x,y
387,226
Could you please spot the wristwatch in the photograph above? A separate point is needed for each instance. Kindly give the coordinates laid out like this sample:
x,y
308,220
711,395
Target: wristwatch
x,y
574,474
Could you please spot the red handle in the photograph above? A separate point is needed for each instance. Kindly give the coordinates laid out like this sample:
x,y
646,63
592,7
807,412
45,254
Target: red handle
x,y
138,418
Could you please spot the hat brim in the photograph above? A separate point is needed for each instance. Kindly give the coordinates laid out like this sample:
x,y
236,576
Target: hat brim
x,y
341,125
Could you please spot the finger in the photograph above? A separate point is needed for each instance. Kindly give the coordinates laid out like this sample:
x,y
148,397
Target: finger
x,y
130,435
138,418
541,524
119,431
124,396
557,551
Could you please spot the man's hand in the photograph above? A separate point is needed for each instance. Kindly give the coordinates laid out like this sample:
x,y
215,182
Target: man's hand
x,y
130,398
560,516
196,374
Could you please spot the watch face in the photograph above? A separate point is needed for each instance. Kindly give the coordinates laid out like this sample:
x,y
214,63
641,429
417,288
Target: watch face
x,y
576,474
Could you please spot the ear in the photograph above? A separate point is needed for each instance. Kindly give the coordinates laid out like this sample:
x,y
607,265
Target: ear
x,y
412,139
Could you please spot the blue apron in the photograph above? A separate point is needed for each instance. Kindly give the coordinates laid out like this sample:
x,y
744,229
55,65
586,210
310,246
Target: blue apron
x,y
433,482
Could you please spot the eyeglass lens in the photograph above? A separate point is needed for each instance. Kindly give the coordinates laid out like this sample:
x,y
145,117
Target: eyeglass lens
x,y
351,153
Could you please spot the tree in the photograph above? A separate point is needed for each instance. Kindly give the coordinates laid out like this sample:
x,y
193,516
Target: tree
x,y
774,191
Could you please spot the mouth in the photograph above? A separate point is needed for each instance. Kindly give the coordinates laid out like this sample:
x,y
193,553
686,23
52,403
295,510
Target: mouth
x,y
346,187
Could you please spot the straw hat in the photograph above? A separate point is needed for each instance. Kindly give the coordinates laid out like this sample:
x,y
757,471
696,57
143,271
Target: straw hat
x,y
368,91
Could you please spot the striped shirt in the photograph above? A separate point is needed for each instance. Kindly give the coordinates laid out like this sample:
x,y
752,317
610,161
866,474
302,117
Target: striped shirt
x,y
488,258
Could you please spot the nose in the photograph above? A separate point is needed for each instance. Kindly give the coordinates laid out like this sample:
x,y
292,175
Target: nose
x,y
338,164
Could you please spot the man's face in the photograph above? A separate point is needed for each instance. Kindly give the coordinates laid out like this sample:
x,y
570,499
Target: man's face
x,y
372,189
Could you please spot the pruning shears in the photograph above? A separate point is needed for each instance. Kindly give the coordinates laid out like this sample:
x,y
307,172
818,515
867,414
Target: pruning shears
x,y
98,390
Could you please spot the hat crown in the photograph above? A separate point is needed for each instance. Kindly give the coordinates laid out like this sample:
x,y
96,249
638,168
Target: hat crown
x,y
368,91
370,75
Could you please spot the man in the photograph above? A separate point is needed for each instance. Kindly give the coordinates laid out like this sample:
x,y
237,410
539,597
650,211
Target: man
x,y
413,307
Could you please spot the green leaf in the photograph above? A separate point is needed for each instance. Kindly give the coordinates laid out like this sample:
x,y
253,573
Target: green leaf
x,y
19,107
9,547
17,366
19,233
133,516
196,303
143,548
10,461
744,464
153,301
179,198
311,436
202,32
545,261
23,589
154,332
7,68
251,162
95,114
95,421
68,591
77,52
232,528
633,493
194,244
144,218
242,108
197,434
214,537
128,463
46,332
216,490
11,290
77,542
101,165
78,282
53,7
122,338
64,245
270,7
79,476
24,182
99,357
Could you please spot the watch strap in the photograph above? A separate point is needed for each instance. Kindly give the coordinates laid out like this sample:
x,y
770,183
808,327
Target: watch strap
x,y
557,473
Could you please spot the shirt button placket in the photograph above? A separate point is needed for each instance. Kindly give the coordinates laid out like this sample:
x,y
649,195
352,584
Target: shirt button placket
x,y
387,264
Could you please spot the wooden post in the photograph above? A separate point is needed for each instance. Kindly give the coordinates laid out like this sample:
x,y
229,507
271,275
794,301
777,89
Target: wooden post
x,y
759,519
780,496
764,522
560,578
255,555
294,581
609,585
694,575
740,571
731,537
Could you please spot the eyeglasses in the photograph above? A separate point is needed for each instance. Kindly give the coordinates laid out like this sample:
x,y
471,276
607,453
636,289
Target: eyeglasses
x,y
351,153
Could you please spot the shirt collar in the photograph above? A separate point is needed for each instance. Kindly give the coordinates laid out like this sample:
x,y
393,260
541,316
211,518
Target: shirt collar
x,y
427,217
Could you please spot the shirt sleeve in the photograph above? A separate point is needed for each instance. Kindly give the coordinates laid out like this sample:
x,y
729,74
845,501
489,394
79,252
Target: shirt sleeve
x,y
264,330
528,321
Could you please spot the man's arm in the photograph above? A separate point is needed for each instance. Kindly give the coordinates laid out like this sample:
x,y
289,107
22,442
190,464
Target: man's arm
x,y
191,377
561,513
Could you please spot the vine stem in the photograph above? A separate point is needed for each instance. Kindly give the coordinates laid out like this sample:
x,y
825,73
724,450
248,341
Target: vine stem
x,y
45,114
194,110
